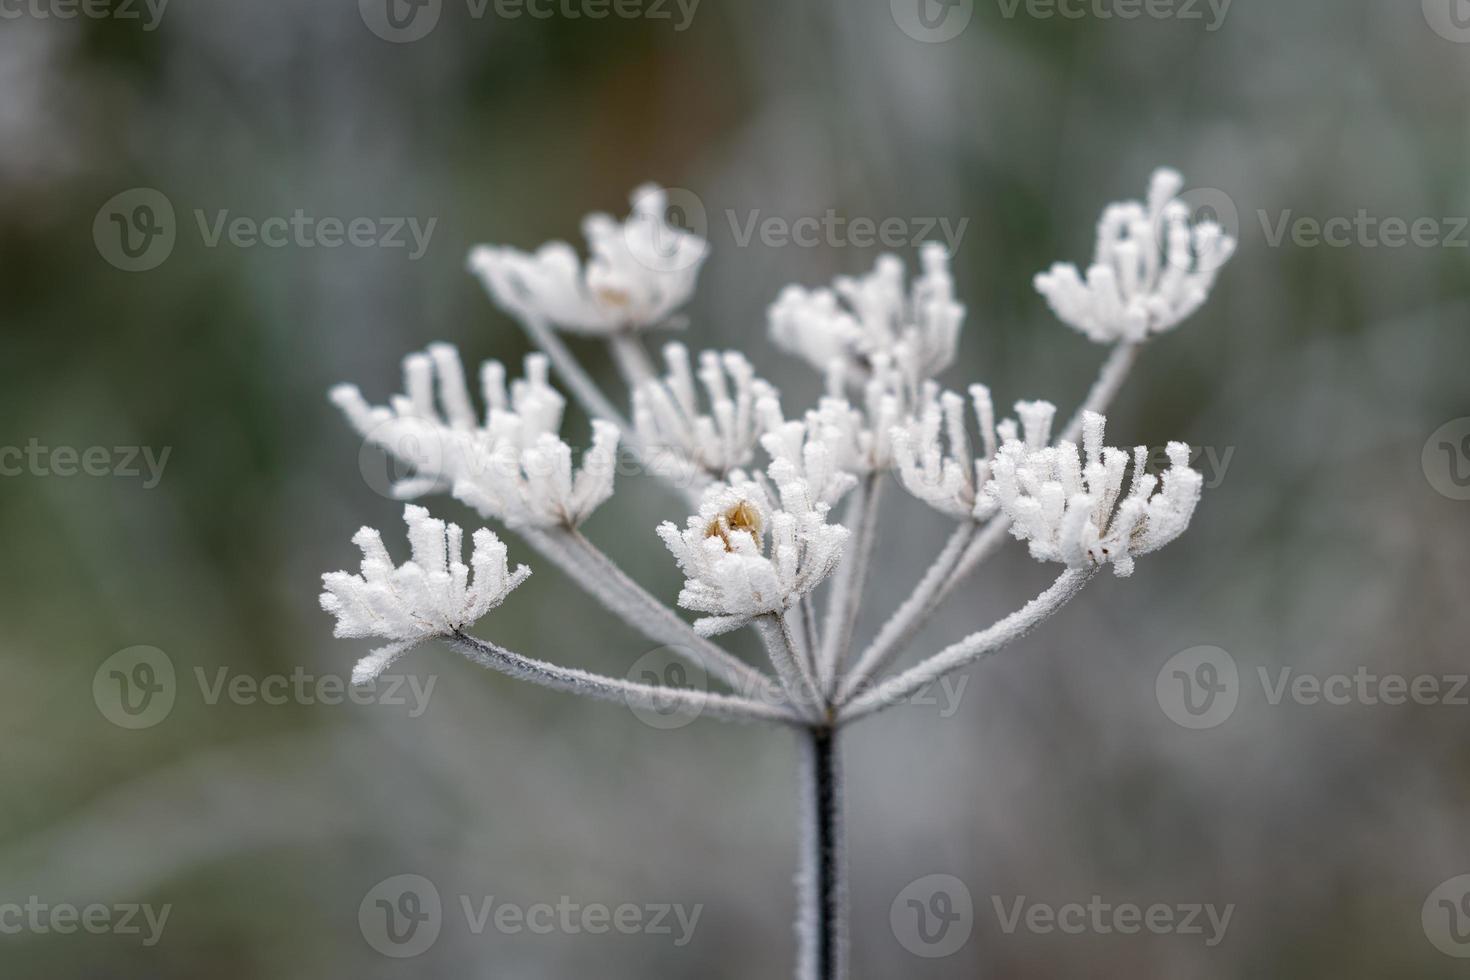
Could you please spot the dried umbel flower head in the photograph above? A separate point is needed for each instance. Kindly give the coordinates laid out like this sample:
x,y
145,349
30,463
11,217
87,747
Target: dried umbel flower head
x,y
1068,508
680,437
757,550
935,460
862,319
731,574
640,272
435,594
514,467
1152,271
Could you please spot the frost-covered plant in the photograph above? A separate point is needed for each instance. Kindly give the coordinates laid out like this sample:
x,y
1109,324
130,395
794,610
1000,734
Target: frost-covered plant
x,y
762,542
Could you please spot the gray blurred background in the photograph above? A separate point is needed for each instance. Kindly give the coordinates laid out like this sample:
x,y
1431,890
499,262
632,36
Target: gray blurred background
x,y
1317,375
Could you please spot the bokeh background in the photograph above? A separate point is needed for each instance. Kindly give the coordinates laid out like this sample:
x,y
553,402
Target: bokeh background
x,y
1316,374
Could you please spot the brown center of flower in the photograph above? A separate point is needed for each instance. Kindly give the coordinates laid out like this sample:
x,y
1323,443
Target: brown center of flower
x,y
614,297
741,517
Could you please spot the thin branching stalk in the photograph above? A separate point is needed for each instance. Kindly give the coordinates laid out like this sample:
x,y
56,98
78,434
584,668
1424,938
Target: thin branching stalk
x,y
850,583
809,624
822,880
795,676
656,619
982,644
576,378
598,687
632,359
909,618
1109,382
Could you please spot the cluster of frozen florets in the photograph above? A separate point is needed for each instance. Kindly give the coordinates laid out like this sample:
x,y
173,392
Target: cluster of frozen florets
x,y
759,547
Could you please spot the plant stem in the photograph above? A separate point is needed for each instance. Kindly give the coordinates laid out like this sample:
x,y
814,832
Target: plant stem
x,y
822,925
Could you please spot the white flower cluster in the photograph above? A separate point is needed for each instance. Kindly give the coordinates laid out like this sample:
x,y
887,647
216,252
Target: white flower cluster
x,y
668,419
515,467
935,460
434,594
863,321
744,556
639,272
1152,270
1068,507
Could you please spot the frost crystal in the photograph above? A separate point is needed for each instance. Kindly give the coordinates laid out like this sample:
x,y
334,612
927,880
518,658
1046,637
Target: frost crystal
x,y
1068,508
1152,270
515,467
733,572
434,594
638,274
667,416
935,460
861,319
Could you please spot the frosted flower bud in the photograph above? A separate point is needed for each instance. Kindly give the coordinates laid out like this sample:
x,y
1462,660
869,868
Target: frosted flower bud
x,y
1152,270
744,556
862,318
433,594
513,466
935,459
1066,502
639,273
670,421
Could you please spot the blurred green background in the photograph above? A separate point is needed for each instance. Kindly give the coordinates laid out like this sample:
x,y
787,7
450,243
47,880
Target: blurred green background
x,y
1317,373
